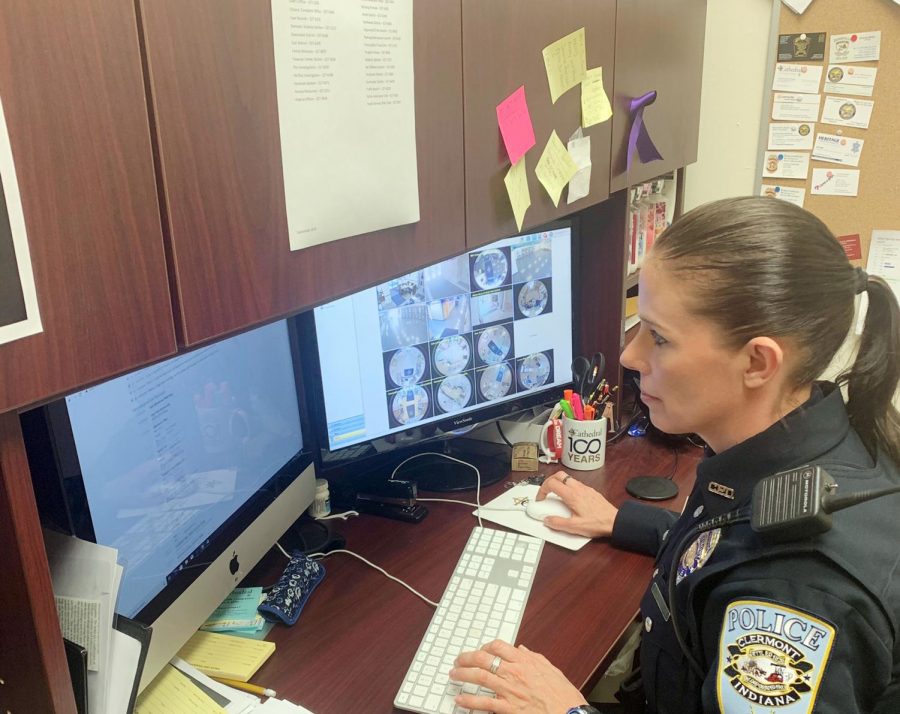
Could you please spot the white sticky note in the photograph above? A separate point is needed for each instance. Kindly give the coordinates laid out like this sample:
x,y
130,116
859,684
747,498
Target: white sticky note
x,y
838,149
792,77
848,111
835,182
796,136
579,147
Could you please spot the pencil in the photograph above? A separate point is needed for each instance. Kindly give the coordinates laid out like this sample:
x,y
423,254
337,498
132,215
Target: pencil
x,y
246,687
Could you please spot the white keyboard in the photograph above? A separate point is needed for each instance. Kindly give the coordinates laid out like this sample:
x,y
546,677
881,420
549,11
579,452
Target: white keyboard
x,y
484,601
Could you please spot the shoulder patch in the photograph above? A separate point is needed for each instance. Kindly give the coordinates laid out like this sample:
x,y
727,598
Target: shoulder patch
x,y
697,553
771,655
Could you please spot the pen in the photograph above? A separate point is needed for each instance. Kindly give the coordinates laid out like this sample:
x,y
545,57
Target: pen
x,y
567,394
566,408
246,687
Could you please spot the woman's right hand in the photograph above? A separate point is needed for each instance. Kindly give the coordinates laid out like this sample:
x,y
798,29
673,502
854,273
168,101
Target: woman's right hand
x,y
592,515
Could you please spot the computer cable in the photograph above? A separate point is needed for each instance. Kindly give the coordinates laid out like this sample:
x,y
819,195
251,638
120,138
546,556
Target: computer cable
x,y
343,516
319,556
449,458
674,468
502,435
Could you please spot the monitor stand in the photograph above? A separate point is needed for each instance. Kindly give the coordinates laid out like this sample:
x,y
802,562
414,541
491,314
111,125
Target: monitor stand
x,y
433,472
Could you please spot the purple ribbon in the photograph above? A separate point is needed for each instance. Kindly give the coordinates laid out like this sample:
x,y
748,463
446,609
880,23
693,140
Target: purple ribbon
x,y
639,138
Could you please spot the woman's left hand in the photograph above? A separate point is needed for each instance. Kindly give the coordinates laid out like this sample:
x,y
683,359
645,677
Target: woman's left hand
x,y
524,681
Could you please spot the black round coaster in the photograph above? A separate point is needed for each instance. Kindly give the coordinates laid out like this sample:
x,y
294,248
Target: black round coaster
x,y
652,488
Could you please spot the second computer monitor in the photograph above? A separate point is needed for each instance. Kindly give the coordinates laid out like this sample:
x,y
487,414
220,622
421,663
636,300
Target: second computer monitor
x,y
459,342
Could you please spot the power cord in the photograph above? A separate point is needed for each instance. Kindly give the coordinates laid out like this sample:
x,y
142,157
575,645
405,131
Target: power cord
x,y
449,458
347,514
343,516
502,435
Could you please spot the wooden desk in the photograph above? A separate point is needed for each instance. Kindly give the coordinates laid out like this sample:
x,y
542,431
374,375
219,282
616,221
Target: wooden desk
x,y
359,632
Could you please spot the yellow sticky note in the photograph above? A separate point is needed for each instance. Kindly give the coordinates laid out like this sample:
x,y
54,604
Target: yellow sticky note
x,y
516,181
555,168
171,692
226,656
595,106
565,63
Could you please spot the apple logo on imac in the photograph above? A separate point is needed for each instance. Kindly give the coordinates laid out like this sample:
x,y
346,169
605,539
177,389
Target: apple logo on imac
x,y
234,565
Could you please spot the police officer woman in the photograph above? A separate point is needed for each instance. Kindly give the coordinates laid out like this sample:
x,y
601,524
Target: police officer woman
x,y
744,303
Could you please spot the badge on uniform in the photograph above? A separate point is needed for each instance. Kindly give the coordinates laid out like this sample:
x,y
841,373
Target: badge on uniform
x,y
770,656
698,553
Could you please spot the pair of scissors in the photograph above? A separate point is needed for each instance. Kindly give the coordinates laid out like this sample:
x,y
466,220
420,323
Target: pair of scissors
x,y
587,374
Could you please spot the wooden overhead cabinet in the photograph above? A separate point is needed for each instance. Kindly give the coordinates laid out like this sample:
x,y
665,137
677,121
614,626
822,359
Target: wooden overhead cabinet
x,y
73,96
211,70
503,42
659,48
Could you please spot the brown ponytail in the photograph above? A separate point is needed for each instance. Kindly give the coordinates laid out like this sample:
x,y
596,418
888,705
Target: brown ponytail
x,y
872,380
766,267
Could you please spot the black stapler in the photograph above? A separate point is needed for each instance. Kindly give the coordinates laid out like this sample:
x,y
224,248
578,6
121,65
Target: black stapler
x,y
391,499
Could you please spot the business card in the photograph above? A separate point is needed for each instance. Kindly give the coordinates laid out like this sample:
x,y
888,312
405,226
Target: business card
x,y
802,47
796,107
851,245
804,78
848,111
790,135
844,150
855,47
786,164
835,182
846,79
784,193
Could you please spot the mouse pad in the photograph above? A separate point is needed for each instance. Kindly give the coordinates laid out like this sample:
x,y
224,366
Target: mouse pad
x,y
508,509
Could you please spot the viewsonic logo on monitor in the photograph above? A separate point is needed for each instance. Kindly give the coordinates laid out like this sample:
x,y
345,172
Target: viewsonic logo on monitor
x,y
461,421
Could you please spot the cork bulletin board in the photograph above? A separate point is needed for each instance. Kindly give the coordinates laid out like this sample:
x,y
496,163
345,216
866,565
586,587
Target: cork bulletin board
x,y
877,205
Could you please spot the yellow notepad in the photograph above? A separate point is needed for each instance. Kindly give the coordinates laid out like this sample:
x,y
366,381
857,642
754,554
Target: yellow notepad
x,y
218,655
170,692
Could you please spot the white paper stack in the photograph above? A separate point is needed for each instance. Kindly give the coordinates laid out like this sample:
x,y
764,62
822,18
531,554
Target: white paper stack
x,y
86,581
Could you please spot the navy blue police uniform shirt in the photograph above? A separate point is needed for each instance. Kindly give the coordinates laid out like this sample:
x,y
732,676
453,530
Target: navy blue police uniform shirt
x,y
807,626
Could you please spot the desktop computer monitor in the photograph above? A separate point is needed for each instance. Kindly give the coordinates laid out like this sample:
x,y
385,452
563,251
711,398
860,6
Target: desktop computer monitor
x,y
191,468
473,338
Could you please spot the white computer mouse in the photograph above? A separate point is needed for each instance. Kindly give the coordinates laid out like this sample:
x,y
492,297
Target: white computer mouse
x,y
551,506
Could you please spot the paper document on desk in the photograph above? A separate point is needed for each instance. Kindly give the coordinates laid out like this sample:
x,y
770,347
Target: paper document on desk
x,y
233,701
510,512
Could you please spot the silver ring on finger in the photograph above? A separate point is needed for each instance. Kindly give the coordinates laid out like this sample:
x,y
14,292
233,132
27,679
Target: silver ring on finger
x,y
495,664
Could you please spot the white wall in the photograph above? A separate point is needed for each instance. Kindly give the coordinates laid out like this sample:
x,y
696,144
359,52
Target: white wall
x,y
734,68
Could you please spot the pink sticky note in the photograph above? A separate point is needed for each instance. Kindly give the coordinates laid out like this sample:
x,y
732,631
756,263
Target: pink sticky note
x,y
515,125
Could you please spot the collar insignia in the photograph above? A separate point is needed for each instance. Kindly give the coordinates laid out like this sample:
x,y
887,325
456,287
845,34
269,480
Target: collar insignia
x,y
720,490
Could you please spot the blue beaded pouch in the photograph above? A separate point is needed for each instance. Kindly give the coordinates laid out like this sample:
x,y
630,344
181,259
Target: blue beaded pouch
x,y
285,601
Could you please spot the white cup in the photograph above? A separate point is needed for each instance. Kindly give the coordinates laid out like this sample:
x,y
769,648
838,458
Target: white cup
x,y
584,444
